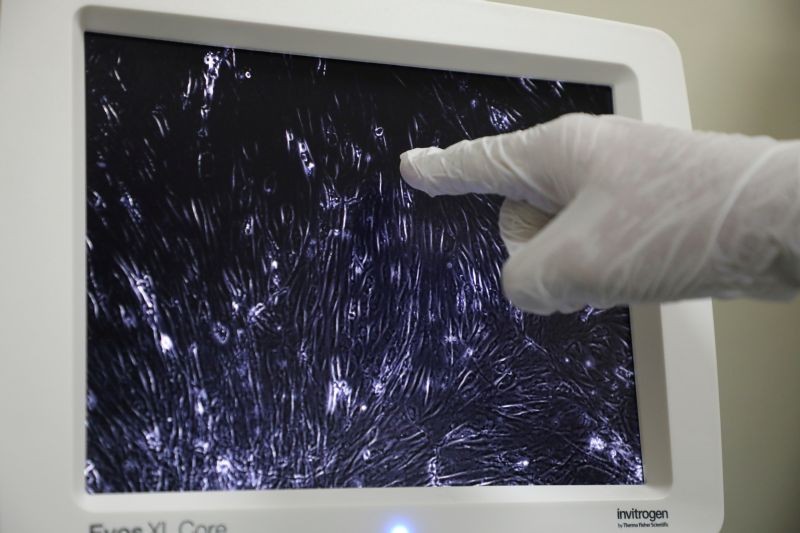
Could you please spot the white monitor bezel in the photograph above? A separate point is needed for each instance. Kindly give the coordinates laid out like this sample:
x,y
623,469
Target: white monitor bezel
x,y
42,135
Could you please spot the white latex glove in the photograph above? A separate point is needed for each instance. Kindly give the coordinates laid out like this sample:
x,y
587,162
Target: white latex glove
x,y
643,213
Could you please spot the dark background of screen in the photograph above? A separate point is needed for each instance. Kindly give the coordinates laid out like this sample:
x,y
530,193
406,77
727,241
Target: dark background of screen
x,y
270,306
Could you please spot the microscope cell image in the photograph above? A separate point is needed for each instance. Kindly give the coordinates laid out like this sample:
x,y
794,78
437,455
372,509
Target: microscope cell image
x,y
270,306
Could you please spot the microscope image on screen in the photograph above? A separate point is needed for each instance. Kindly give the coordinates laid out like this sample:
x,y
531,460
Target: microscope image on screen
x,y
270,306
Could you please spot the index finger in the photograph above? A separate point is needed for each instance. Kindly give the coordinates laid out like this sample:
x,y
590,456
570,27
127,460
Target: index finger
x,y
516,165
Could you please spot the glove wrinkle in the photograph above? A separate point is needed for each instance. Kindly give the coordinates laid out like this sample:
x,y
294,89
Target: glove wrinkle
x,y
643,212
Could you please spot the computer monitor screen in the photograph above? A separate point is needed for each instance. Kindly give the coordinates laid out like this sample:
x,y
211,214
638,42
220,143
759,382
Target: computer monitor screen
x,y
271,307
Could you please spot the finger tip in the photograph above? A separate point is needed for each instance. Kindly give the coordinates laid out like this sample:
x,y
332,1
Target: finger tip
x,y
407,169
411,172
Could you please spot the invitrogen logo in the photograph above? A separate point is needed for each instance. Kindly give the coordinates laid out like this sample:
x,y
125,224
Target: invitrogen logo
x,y
640,514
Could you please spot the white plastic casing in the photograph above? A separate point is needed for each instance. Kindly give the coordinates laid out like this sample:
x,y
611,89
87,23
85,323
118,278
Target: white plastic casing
x,y
42,271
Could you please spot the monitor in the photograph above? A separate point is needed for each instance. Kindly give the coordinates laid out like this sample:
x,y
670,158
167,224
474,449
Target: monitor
x,y
226,312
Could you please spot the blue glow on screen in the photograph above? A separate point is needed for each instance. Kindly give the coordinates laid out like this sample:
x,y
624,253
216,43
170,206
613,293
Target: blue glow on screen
x,y
271,307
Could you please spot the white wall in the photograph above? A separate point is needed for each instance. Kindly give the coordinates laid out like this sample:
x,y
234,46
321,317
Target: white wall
x,y
742,61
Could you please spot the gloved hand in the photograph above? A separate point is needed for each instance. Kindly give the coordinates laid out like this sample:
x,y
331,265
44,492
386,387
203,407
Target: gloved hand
x,y
606,210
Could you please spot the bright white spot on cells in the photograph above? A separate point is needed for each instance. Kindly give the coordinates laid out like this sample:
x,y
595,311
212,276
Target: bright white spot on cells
x,y
307,162
378,387
166,343
255,312
597,444
522,464
153,438
500,119
211,59
200,404
339,390
305,157
366,454
637,473
220,332
450,339
248,226
378,131
363,407
341,387
223,465
274,264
